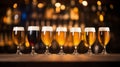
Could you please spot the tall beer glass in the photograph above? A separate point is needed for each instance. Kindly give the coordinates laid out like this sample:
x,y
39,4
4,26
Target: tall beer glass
x,y
18,37
76,37
46,36
33,37
90,37
104,37
61,37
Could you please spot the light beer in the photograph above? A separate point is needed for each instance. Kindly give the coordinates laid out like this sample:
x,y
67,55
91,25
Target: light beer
x,y
46,35
61,35
90,35
104,35
18,35
76,35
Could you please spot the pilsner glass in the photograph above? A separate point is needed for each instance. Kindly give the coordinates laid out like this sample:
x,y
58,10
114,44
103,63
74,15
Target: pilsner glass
x,y
104,37
33,37
46,36
18,37
61,37
76,38
90,37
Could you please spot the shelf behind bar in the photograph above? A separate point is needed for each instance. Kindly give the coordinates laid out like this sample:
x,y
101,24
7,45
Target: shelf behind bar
x,y
59,58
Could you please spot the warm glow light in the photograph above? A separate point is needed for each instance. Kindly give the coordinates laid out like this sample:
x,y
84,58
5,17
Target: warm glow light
x,y
85,3
57,4
99,3
40,5
57,9
111,6
75,9
62,7
101,18
15,5
80,1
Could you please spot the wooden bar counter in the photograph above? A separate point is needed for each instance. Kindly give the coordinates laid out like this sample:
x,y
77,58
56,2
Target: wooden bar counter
x,y
59,58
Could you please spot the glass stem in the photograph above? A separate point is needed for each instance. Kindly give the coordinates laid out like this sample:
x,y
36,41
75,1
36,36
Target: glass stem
x,y
33,49
61,49
89,50
75,51
18,48
47,49
104,50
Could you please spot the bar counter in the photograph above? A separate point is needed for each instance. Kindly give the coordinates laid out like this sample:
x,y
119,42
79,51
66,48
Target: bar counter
x,y
59,58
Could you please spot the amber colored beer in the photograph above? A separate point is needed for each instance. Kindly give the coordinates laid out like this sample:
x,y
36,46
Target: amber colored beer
x,y
104,35
46,35
61,35
18,35
90,35
76,35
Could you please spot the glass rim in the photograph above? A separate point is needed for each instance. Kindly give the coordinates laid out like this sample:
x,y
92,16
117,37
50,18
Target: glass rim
x,y
61,29
90,29
36,28
18,28
75,29
47,28
104,29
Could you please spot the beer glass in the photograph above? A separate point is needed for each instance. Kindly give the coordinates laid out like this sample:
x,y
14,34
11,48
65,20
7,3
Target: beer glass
x,y
46,36
90,37
18,37
76,37
33,37
61,37
104,37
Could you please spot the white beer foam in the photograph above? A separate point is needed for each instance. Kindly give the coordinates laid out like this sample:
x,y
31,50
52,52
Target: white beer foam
x,y
35,28
104,29
73,29
18,28
47,28
61,29
89,29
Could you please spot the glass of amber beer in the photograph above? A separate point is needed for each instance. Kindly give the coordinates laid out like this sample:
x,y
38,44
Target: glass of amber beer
x,y
104,37
18,37
33,37
47,37
76,37
61,37
90,37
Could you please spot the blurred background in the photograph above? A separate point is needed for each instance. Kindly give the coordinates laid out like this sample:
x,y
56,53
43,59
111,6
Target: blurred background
x,y
69,13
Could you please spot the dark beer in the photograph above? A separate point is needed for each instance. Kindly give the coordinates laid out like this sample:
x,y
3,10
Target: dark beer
x,y
33,35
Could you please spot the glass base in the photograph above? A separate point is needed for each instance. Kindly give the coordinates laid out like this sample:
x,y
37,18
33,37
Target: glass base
x,y
104,53
61,52
33,52
47,53
75,53
89,53
18,53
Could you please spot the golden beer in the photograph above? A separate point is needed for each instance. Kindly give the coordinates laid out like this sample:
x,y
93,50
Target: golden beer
x,y
76,35
104,35
61,35
18,35
90,38
46,35
90,35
